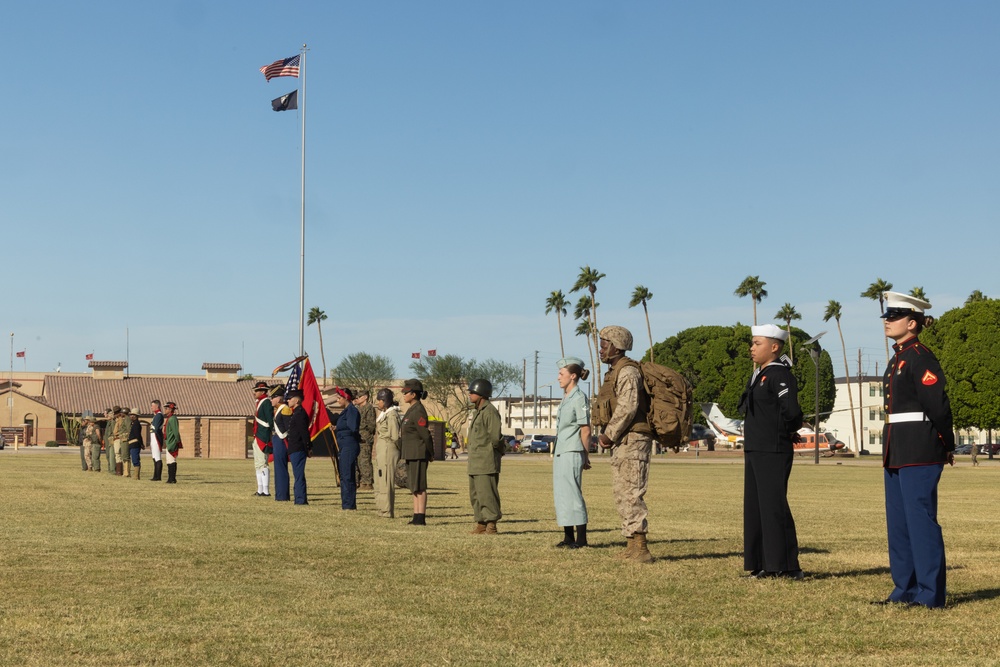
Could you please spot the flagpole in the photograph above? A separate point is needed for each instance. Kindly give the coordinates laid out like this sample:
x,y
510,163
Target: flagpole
x,y
302,242
10,389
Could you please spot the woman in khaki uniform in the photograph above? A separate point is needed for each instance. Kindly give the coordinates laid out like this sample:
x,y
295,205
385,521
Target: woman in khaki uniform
x,y
386,452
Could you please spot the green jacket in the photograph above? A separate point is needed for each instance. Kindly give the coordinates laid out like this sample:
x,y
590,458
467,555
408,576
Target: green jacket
x,y
486,444
367,428
416,443
109,434
173,435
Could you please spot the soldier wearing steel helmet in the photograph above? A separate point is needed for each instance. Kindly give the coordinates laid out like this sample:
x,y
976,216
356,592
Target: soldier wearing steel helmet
x,y
486,446
620,411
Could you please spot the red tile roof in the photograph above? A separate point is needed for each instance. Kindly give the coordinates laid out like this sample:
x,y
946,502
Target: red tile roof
x,y
194,396
209,366
108,364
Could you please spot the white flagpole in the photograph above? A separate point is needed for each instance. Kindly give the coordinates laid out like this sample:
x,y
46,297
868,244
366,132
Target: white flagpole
x,y
302,248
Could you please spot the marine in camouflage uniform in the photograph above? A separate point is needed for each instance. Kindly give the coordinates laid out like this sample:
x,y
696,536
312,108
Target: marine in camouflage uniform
x,y
620,411
366,477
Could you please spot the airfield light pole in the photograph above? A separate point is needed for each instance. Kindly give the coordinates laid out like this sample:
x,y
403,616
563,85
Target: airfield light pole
x,y
814,352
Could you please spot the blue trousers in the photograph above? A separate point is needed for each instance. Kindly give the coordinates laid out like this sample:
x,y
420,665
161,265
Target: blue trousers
x,y
299,471
280,468
347,461
134,454
916,546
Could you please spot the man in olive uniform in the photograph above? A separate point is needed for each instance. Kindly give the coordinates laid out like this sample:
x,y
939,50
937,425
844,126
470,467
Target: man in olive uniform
x,y
122,425
620,410
486,446
363,403
109,437
172,442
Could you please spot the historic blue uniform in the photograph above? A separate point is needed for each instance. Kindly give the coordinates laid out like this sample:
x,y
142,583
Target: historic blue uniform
x,y
279,446
916,443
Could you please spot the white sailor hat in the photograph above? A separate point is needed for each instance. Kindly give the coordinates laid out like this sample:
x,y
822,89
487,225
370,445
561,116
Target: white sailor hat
x,y
897,304
769,331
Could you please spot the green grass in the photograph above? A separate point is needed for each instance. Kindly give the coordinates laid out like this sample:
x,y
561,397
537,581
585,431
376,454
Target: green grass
x,y
98,570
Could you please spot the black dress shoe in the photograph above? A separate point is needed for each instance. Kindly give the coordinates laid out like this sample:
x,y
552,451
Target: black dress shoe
x,y
794,575
761,574
883,603
753,574
565,543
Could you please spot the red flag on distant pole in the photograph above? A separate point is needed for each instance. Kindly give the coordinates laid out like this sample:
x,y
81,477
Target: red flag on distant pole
x,y
415,355
432,353
90,357
20,354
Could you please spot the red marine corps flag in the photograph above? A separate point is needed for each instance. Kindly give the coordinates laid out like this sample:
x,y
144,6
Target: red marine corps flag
x,y
303,379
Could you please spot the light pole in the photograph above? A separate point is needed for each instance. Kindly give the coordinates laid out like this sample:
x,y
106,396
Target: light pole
x,y
814,352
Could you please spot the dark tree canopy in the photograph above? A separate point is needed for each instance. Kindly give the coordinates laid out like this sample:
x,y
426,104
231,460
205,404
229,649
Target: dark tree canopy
x,y
364,371
966,343
716,360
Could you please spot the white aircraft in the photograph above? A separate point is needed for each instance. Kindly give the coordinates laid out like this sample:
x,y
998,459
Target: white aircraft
x,y
725,429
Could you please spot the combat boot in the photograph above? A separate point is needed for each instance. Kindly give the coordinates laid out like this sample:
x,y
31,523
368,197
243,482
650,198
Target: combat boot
x,y
137,469
157,471
491,527
119,469
641,552
627,553
479,529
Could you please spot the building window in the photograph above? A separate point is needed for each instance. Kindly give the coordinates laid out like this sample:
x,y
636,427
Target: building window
x,y
871,390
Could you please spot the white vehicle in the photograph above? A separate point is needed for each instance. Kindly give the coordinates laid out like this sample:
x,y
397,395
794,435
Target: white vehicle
x,y
729,431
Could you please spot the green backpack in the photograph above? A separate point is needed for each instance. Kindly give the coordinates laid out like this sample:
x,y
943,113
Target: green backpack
x,y
670,404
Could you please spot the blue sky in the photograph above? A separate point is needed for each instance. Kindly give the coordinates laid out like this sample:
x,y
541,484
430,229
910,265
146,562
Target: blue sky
x,y
464,159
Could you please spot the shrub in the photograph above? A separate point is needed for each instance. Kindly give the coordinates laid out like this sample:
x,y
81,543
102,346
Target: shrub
x,y
51,443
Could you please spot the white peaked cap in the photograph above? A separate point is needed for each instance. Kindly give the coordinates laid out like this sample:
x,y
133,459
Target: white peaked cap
x,y
895,301
770,331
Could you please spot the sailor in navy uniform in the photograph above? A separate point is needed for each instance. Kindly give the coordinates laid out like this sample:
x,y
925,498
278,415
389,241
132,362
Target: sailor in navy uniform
x,y
916,443
772,418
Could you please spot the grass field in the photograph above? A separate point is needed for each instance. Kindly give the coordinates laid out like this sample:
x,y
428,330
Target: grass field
x,y
98,570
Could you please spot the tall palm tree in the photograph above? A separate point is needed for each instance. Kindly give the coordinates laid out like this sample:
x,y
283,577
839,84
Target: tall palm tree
x,y
584,329
557,302
919,293
833,311
786,315
642,295
876,292
316,316
588,280
752,286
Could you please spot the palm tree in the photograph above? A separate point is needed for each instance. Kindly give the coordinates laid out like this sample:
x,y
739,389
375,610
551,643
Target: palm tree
x,y
641,295
316,316
975,297
588,279
876,292
584,329
919,293
753,287
557,302
786,315
833,311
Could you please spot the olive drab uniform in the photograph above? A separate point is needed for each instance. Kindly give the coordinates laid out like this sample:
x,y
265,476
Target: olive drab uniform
x,y
620,410
485,446
387,427
367,431
122,426
916,441
109,444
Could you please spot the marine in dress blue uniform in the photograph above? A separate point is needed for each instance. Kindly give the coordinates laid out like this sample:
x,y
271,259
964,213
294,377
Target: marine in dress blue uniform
x,y
772,417
917,441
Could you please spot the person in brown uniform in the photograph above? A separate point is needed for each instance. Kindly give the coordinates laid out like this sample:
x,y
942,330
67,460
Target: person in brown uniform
x,y
417,447
367,431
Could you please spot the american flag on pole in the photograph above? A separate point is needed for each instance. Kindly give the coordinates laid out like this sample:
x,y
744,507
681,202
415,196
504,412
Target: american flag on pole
x,y
303,379
90,357
21,354
285,67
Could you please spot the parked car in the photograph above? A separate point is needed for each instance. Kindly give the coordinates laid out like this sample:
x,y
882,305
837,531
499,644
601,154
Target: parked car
x,y
964,449
990,448
538,446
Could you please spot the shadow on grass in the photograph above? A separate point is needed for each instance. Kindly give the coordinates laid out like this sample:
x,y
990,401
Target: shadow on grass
x,y
974,596
813,550
867,572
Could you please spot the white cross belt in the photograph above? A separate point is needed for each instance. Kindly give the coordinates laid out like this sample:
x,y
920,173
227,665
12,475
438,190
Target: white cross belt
x,y
900,417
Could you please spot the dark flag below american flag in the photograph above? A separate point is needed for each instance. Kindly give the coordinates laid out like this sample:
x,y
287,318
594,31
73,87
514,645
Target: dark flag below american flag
x,y
286,102
285,67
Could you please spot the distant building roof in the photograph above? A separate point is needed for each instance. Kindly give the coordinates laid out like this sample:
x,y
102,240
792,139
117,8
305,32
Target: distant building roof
x,y
207,366
107,364
74,394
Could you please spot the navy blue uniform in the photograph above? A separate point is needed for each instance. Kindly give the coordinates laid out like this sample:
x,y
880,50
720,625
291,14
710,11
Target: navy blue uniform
x,y
770,406
279,446
299,445
916,443
349,444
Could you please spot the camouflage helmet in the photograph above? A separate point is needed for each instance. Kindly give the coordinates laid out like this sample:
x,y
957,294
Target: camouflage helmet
x,y
481,387
618,336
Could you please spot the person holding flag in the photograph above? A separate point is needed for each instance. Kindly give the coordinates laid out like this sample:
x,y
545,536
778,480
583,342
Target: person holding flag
x,y
279,441
262,425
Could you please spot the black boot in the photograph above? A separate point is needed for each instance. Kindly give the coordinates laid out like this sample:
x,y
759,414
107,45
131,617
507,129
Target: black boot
x,y
581,536
568,540
157,470
171,473
418,520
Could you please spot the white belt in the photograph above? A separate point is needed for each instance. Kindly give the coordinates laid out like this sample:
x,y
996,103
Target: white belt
x,y
900,417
